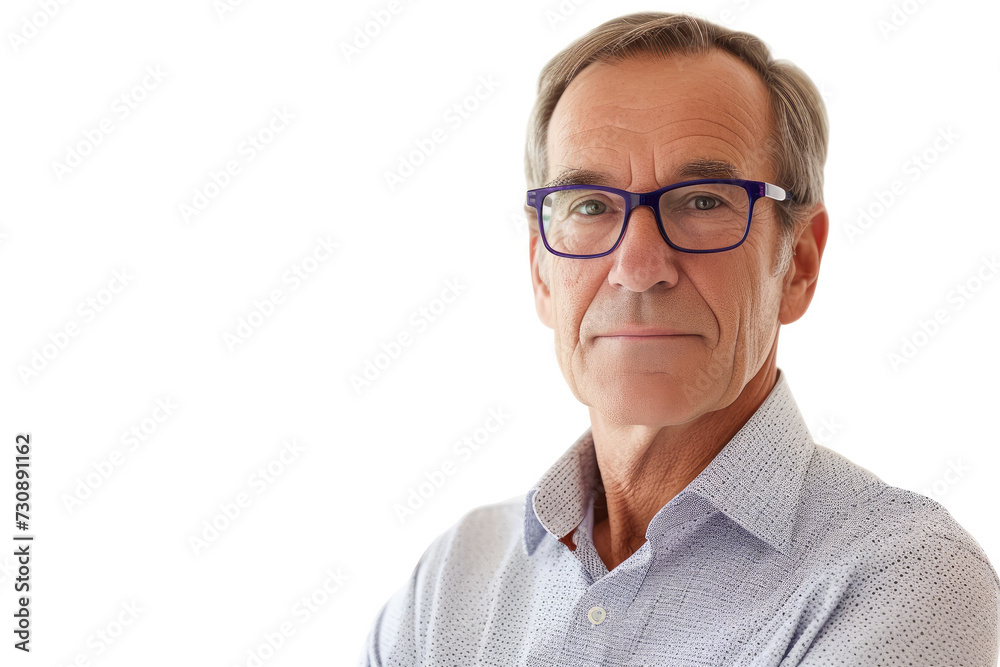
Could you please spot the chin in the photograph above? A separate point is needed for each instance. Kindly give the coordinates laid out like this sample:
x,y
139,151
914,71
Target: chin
x,y
648,406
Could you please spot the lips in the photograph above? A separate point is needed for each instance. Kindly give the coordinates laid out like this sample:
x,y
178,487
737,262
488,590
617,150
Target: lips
x,y
638,330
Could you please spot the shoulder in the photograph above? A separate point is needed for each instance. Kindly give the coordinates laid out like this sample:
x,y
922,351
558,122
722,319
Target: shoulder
x,y
480,539
447,581
860,507
909,578
447,585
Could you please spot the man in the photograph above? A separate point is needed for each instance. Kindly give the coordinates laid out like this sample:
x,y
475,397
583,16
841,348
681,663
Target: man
x,y
695,522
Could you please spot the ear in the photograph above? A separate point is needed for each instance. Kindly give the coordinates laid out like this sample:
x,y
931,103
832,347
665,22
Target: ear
x,y
543,298
803,270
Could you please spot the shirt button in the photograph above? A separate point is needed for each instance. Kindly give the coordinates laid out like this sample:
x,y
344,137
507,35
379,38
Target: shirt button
x,y
597,615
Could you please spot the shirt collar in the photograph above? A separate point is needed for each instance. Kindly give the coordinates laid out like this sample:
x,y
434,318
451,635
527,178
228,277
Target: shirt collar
x,y
756,479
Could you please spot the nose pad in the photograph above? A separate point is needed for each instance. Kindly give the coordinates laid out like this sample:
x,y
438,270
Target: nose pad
x,y
640,214
647,260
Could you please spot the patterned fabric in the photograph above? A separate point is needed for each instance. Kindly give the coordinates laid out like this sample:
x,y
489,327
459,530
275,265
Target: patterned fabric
x,y
780,552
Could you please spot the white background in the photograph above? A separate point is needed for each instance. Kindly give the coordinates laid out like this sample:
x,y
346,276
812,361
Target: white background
x,y
457,217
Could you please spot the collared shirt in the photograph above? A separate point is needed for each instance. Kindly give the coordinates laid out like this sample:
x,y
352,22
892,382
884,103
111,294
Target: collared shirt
x,y
780,552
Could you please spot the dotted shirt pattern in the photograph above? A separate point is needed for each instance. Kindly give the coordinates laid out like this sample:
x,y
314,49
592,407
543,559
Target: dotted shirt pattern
x,y
780,552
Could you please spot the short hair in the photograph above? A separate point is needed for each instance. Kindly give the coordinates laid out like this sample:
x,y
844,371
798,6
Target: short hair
x,y
796,146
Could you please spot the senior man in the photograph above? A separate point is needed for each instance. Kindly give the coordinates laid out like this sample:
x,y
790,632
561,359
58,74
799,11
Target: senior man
x,y
695,522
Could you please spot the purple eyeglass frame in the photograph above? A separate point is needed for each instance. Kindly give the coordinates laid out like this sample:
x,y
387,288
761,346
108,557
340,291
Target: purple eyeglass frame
x,y
755,190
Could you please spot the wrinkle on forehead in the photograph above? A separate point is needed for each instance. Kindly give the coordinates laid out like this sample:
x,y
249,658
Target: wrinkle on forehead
x,y
724,108
613,138
647,119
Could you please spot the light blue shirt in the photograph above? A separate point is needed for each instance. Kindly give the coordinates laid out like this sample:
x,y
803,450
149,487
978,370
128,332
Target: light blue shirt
x,y
780,552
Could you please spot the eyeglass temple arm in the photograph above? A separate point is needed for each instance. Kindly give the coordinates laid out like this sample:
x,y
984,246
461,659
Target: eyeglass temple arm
x,y
779,194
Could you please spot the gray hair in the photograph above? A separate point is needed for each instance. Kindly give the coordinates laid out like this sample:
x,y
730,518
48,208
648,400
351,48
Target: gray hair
x,y
796,147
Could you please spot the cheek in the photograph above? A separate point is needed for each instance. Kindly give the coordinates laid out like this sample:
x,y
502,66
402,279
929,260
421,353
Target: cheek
x,y
573,288
759,294
758,248
741,293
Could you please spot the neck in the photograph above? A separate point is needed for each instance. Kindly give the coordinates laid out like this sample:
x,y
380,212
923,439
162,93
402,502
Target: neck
x,y
642,467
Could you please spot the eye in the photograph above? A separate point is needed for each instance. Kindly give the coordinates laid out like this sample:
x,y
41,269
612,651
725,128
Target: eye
x,y
705,203
592,207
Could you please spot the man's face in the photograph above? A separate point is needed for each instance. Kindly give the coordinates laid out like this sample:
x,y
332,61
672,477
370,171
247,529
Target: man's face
x,y
642,122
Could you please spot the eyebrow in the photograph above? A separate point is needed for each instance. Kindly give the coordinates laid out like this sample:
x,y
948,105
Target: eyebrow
x,y
693,169
580,177
705,168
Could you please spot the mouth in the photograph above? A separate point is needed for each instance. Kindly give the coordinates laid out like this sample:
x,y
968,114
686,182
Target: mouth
x,y
646,337
644,331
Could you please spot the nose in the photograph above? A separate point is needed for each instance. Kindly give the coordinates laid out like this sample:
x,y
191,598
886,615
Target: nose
x,y
643,259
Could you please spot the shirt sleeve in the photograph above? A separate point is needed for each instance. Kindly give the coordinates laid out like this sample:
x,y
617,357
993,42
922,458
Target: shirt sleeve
x,y
928,602
385,635
394,636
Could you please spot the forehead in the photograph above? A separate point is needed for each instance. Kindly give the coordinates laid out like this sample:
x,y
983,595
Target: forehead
x,y
648,117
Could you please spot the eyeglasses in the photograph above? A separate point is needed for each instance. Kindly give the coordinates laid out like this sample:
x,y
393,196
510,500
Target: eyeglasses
x,y
706,215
